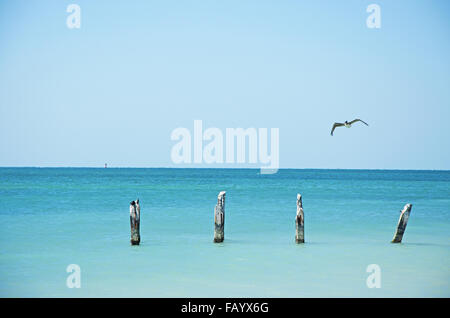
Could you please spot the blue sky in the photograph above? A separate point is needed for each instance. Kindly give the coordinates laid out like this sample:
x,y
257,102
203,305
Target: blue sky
x,y
114,90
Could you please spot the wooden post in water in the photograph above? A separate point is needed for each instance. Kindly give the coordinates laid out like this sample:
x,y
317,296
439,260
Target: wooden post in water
x,y
402,222
135,218
219,218
299,221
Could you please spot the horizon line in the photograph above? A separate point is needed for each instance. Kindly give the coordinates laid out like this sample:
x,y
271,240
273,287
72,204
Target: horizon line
x,y
242,168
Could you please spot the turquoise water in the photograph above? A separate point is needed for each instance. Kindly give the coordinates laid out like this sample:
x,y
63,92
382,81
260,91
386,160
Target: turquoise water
x,y
50,218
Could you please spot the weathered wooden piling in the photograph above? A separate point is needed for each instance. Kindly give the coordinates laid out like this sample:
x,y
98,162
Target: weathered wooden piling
x,y
299,221
219,218
135,218
402,222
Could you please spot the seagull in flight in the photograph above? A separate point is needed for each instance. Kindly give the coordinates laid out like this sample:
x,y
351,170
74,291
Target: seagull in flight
x,y
346,124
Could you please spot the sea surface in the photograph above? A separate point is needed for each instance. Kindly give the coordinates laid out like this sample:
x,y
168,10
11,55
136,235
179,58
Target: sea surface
x,y
53,217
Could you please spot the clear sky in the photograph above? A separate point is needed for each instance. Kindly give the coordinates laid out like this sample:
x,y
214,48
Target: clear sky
x,y
114,90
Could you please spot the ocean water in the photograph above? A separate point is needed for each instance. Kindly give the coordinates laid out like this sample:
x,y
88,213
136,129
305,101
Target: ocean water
x,y
53,217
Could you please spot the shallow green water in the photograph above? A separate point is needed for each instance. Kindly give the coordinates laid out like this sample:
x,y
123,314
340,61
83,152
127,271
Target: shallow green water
x,y
50,218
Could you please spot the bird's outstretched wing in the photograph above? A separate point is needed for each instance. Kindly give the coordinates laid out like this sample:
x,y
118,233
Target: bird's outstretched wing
x,y
334,127
354,121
